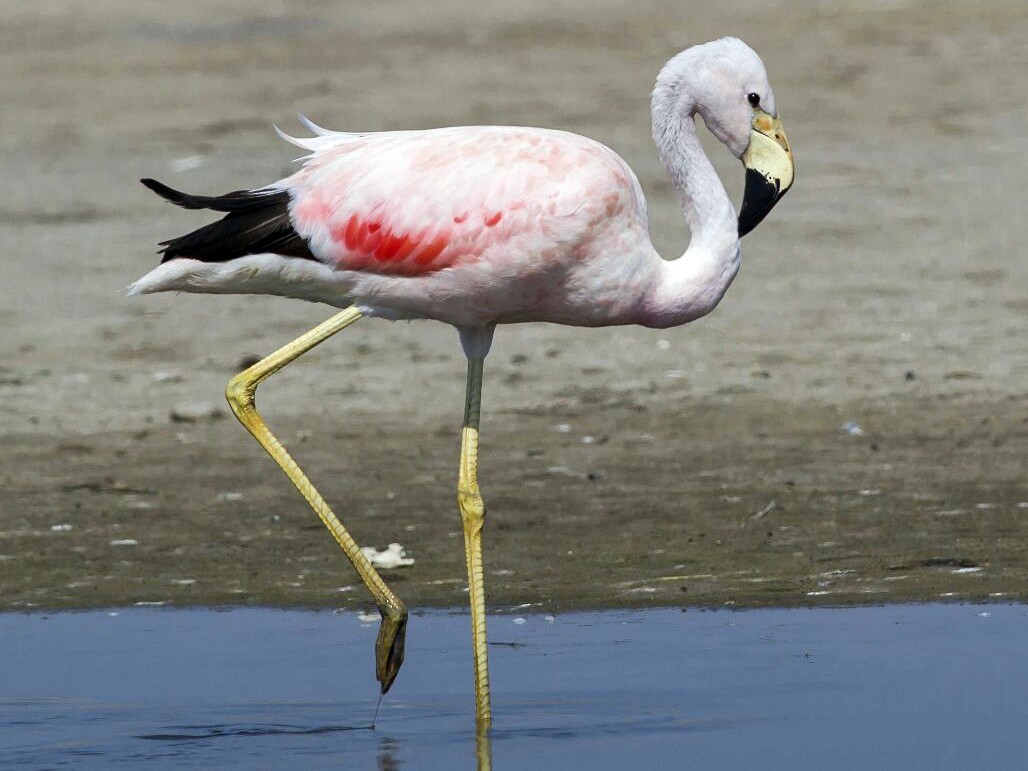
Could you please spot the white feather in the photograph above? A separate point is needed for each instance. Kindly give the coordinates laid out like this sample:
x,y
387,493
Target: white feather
x,y
291,139
252,274
313,127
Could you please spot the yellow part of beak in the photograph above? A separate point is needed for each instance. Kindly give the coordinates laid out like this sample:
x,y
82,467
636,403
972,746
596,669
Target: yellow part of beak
x,y
769,170
769,151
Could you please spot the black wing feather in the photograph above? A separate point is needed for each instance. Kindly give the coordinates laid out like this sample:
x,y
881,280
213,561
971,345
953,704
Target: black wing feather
x,y
256,222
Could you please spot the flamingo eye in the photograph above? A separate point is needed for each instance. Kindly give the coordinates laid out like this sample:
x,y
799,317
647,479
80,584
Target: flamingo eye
x,y
754,99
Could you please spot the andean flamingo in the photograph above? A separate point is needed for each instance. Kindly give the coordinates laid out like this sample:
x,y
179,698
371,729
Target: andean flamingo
x,y
482,225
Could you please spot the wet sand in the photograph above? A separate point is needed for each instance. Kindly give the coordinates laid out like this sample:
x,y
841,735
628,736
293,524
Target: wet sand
x,y
621,467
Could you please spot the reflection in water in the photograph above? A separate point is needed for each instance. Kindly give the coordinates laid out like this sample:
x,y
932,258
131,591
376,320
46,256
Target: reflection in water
x,y
387,760
485,752
388,754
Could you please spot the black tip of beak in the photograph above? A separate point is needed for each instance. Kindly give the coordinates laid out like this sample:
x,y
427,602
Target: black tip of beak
x,y
760,196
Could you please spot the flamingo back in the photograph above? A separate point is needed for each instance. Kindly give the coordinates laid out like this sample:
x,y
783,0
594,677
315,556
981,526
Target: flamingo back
x,y
412,203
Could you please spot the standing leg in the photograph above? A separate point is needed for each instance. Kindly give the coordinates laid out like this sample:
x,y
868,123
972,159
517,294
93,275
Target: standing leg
x,y
240,392
472,513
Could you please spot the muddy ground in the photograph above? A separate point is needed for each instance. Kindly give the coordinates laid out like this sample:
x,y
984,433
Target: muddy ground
x,y
698,466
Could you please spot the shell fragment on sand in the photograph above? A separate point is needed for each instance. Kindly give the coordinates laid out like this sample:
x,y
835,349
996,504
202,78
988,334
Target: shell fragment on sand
x,y
393,556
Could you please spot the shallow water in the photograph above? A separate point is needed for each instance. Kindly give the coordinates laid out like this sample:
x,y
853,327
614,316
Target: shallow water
x,y
931,686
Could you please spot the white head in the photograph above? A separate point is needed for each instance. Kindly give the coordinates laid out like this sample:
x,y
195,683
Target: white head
x,y
724,81
716,80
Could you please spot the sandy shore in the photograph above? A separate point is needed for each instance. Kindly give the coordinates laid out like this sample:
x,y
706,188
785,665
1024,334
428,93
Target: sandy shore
x,y
888,291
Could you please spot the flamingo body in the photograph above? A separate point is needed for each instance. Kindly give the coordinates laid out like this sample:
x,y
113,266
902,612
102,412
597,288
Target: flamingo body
x,y
470,225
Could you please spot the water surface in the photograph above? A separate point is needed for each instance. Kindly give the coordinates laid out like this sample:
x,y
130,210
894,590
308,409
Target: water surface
x,y
931,686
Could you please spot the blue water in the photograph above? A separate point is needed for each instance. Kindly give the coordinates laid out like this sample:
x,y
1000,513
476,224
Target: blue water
x,y
900,687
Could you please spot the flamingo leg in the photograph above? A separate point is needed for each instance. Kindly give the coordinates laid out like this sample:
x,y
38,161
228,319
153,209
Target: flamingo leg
x,y
472,513
240,392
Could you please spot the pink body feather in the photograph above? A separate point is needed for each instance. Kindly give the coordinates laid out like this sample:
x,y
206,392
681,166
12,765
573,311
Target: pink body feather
x,y
418,202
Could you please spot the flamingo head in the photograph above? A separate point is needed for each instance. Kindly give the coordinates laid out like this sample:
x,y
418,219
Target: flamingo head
x,y
724,81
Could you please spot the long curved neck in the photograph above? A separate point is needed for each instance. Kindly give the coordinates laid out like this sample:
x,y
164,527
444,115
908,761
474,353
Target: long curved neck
x,y
692,285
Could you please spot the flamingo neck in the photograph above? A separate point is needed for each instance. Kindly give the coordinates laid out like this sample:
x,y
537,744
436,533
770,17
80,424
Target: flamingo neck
x,y
692,285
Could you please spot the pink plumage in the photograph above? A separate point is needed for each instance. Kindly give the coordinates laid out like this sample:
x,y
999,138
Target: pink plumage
x,y
470,225
413,203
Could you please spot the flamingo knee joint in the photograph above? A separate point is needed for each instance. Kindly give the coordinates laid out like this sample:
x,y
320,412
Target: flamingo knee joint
x,y
240,393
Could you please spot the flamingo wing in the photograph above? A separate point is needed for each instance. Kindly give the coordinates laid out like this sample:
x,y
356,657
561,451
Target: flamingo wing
x,y
410,203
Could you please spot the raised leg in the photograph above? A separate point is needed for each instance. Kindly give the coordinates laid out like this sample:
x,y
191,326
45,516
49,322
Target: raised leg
x,y
472,513
240,392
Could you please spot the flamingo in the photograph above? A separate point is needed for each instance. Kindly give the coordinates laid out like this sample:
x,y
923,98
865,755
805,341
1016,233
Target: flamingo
x,y
477,226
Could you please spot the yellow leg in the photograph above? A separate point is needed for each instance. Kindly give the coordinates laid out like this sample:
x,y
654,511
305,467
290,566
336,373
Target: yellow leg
x,y
472,513
240,392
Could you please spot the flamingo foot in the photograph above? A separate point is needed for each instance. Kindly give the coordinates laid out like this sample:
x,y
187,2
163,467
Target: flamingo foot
x,y
389,647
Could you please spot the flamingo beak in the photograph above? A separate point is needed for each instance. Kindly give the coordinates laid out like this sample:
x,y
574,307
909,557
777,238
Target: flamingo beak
x,y
769,170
